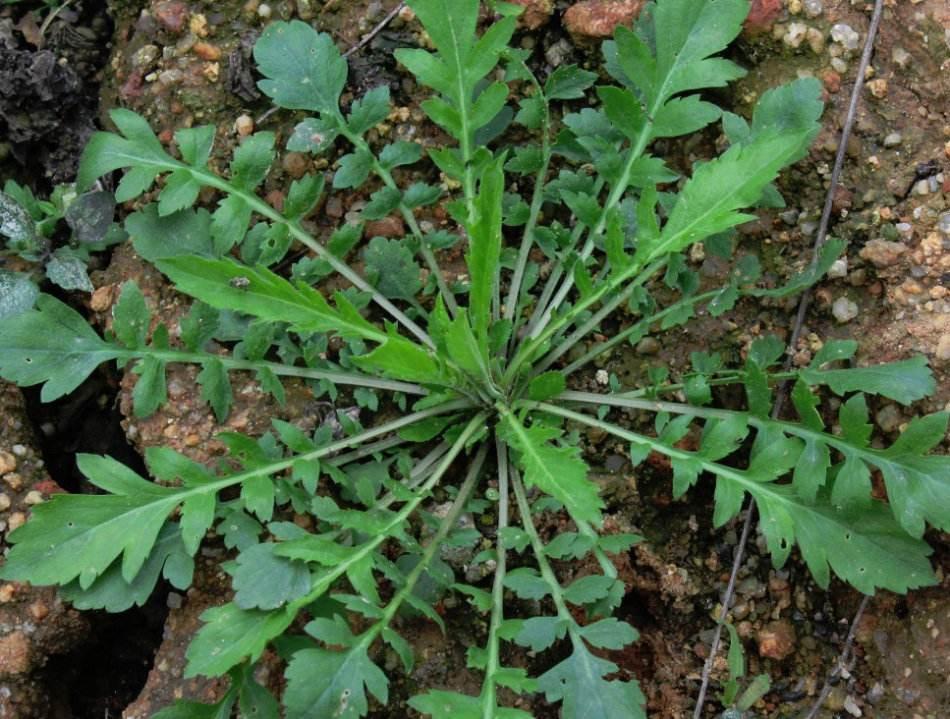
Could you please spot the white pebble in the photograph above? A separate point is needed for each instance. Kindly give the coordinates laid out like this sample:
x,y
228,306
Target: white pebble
x,y
33,497
844,310
845,34
264,11
795,34
839,268
813,8
893,139
602,377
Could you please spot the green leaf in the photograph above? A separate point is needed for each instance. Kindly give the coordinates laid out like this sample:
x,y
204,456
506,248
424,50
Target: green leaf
x,y
539,633
710,201
131,317
527,584
252,160
464,349
138,148
370,110
827,255
229,285
578,682
547,385
609,633
180,192
394,271
527,160
149,393
68,272
864,547
216,388
182,709
195,144
303,196
184,233
255,701
263,580
852,487
322,683
904,382
230,635
589,589
401,359
568,82
113,593
315,135
421,195
79,536
382,203
199,326
485,240
399,154
18,294
17,225
52,344
623,109
558,471
354,170
684,115
303,69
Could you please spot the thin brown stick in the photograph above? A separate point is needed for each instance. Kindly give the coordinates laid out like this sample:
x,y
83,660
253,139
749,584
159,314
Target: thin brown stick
x,y
845,660
839,159
796,333
368,37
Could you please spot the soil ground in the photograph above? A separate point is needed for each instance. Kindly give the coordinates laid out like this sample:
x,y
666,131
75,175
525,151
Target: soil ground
x,y
184,62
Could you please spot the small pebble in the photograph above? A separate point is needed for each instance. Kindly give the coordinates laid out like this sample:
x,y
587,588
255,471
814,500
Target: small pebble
x,y
875,693
889,418
943,224
17,520
795,34
145,57
264,11
33,497
845,35
839,268
894,139
813,8
943,348
173,601
244,125
844,310
882,253
776,640
852,707
602,377
900,56
4,502
816,40
878,88
648,346
19,450
7,462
